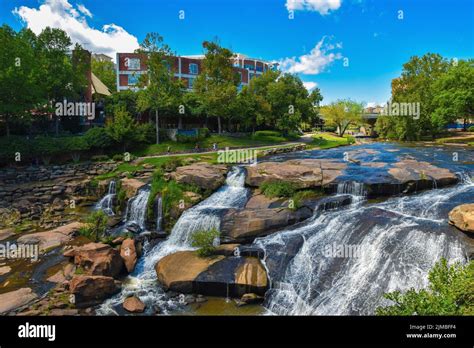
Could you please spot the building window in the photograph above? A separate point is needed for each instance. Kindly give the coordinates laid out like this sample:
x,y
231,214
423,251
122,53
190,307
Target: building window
x,y
193,69
249,66
132,79
190,83
132,63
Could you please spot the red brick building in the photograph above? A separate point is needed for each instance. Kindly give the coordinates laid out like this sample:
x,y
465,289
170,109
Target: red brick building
x,y
131,65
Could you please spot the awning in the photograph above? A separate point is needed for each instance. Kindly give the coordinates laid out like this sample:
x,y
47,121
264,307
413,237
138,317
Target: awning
x,y
98,86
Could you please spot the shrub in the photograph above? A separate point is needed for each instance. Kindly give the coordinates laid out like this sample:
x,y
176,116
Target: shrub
x,y
470,129
450,292
172,164
204,240
267,133
118,157
97,138
100,158
278,189
96,225
330,129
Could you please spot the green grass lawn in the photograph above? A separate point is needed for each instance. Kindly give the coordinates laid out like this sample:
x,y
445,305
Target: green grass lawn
x,y
222,142
329,140
467,139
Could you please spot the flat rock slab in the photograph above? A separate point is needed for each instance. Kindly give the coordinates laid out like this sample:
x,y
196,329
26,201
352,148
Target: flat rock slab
x,y
131,186
206,176
6,233
14,299
186,272
378,178
53,238
304,173
246,224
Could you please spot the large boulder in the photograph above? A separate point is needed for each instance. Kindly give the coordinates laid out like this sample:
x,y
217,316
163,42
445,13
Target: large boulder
x,y
463,217
131,186
186,272
51,239
14,299
206,176
89,290
128,252
97,259
246,224
304,173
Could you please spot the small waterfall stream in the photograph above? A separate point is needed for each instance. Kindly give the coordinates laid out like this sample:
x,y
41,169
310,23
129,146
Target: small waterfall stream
x,y
106,203
159,214
137,207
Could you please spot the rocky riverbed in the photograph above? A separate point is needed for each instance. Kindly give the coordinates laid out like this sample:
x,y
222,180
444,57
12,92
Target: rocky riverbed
x,y
270,249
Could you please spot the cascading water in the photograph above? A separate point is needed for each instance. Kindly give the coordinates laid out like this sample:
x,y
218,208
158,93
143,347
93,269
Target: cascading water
x,y
350,257
159,214
203,216
137,207
106,203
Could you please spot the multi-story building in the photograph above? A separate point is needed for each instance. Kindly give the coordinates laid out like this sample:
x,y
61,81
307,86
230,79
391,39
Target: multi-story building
x,y
130,66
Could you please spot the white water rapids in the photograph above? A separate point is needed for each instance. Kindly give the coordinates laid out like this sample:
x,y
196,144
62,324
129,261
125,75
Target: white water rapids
x,y
398,242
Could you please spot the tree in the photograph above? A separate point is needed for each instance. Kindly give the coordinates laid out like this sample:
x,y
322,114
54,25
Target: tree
x,y
217,84
123,128
18,75
342,114
105,71
450,292
56,67
415,85
161,90
454,94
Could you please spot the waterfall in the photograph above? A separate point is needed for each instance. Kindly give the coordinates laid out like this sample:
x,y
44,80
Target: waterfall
x,y
106,203
159,214
137,207
397,242
203,216
351,188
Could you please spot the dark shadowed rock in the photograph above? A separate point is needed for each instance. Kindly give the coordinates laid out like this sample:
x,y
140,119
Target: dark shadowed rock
x,y
186,272
97,259
90,290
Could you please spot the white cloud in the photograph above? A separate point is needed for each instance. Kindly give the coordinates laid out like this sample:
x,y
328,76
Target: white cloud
x,y
61,14
321,6
313,63
84,10
310,85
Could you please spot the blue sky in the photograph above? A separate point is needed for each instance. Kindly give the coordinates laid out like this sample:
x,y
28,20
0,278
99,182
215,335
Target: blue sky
x,y
313,44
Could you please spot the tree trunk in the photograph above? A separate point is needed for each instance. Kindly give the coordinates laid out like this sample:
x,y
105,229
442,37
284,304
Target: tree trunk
x,y
180,122
7,124
157,126
219,127
56,125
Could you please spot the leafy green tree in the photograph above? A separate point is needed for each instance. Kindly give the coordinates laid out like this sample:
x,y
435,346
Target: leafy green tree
x,y
217,84
56,68
342,114
454,94
105,71
18,75
123,129
416,85
96,226
124,99
450,292
163,92
97,138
